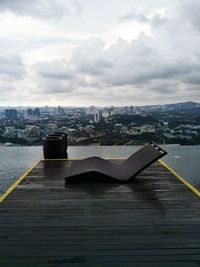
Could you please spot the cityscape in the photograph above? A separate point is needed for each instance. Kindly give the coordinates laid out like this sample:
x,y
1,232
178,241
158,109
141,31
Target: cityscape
x,y
129,125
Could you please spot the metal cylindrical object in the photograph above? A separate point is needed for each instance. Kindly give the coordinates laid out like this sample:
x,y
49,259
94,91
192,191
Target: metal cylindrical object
x,y
54,147
64,135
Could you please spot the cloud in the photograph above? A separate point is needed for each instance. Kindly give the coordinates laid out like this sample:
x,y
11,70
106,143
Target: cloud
x,y
161,66
56,77
145,66
42,8
11,67
189,11
90,58
57,70
136,15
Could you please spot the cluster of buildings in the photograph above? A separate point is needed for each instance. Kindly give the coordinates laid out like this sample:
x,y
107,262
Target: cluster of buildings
x,y
113,125
184,132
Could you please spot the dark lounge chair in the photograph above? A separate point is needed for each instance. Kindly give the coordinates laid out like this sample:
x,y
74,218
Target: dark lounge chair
x,y
121,172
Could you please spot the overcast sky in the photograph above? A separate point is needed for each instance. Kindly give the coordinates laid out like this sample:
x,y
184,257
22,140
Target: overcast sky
x,y
102,52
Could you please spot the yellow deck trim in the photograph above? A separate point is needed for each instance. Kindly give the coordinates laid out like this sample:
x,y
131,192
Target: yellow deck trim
x,y
81,159
186,183
13,186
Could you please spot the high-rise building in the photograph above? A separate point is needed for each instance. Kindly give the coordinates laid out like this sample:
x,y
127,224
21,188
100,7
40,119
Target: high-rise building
x,y
11,114
33,112
96,117
36,112
29,112
131,108
60,111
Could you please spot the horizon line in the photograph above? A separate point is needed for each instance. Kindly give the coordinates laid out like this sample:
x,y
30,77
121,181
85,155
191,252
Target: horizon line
x,y
87,106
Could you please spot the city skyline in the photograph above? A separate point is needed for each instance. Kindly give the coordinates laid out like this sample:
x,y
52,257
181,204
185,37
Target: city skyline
x,y
128,125
83,53
96,106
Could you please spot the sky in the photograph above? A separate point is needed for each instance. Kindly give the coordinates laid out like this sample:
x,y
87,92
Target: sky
x,y
86,52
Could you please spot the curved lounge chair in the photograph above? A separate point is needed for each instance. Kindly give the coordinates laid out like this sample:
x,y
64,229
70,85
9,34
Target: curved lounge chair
x,y
121,172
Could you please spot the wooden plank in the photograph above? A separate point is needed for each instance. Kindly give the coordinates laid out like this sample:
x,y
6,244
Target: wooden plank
x,y
80,262
44,222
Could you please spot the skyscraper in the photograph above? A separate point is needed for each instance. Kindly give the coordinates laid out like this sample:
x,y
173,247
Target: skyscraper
x,y
11,114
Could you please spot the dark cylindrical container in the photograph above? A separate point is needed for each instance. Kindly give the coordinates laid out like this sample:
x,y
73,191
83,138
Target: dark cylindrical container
x,y
54,147
64,135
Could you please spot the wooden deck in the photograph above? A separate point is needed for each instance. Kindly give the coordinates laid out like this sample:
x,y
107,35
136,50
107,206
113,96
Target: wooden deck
x,y
152,221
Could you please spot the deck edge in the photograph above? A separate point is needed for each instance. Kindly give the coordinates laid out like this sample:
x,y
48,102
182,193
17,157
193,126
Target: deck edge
x,y
14,185
180,178
81,159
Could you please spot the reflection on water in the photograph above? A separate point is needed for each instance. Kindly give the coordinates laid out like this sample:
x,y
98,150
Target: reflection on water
x,y
185,161
14,161
176,157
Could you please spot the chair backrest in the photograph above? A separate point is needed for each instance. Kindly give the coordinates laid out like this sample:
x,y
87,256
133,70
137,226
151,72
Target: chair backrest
x,y
144,157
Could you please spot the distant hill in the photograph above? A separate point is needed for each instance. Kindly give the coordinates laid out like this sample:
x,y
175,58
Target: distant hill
x,y
179,107
195,112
